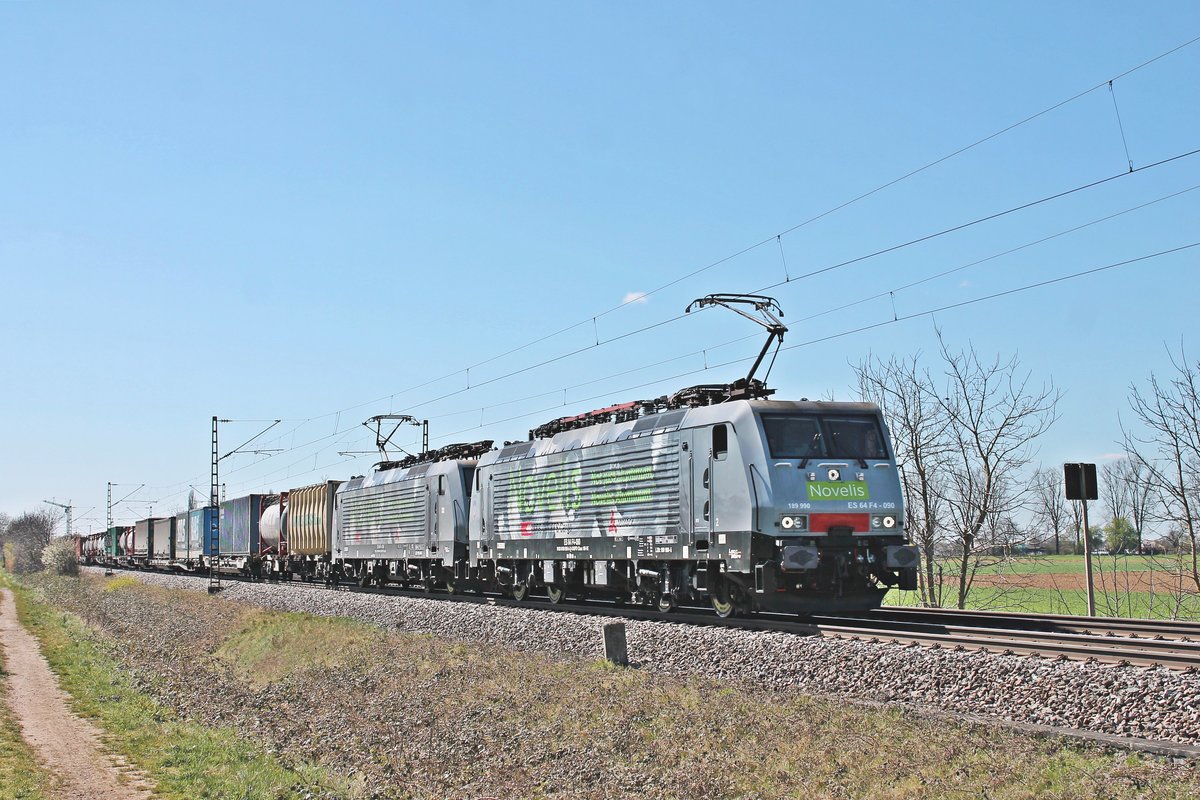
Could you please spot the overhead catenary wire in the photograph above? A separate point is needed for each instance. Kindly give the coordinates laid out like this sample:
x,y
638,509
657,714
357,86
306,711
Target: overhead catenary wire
x,y
860,329
895,316
838,207
777,237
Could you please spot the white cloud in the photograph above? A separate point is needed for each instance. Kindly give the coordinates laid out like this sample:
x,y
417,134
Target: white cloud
x,y
635,297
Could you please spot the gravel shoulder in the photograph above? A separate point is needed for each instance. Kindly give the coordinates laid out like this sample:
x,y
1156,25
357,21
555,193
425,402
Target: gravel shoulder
x,y
68,746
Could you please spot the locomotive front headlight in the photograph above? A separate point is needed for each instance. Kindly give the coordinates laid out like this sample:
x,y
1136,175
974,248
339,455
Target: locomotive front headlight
x,y
787,523
889,521
835,475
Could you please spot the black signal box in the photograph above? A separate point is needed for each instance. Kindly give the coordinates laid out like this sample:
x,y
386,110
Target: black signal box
x,y
1080,480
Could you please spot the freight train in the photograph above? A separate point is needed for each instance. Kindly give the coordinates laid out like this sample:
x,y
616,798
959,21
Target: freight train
x,y
715,494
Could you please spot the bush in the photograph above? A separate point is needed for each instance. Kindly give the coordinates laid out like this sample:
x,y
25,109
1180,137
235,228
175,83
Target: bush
x,y
58,558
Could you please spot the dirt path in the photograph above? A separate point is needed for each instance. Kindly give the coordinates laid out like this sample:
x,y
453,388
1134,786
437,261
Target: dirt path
x,y
68,745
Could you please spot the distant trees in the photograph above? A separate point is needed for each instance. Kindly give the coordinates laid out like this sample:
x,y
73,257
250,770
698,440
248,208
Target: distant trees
x,y
1120,536
1050,510
962,441
23,539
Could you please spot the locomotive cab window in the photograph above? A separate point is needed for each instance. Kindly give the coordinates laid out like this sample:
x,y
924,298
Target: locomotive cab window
x,y
806,436
793,436
720,442
855,437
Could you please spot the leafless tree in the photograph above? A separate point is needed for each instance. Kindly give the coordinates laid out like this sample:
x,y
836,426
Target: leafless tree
x,y
1166,443
1075,507
962,448
995,417
918,424
1143,499
1114,488
1050,504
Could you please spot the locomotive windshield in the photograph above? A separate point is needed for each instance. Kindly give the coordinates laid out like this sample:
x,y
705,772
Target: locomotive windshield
x,y
813,436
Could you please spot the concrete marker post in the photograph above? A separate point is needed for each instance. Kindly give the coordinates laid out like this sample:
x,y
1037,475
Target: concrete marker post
x,y
615,649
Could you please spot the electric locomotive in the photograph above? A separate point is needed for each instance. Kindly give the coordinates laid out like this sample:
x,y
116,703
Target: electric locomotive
x,y
746,504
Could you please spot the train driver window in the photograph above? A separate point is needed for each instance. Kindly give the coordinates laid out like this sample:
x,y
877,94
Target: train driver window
x,y
720,442
441,484
793,436
856,437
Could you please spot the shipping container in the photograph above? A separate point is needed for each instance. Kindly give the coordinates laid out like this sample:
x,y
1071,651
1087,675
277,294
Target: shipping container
x,y
141,539
162,539
240,525
181,536
200,522
309,519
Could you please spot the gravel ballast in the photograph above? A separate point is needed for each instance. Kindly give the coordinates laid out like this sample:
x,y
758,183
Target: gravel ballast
x,y
1155,704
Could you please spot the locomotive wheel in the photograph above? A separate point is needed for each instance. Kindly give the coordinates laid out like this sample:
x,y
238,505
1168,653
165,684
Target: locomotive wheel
x,y
364,578
666,603
449,586
722,601
520,591
555,594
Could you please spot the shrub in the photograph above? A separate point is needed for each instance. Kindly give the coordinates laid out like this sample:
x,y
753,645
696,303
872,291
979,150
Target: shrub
x,y
58,558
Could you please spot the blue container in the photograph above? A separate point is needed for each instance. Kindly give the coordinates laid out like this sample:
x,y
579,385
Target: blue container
x,y
239,525
200,522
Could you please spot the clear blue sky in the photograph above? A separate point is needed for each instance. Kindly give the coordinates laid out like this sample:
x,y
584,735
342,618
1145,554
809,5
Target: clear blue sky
x,y
289,210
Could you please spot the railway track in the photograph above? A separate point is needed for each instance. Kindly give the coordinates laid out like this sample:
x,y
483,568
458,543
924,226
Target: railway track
x,y
1061,623
1146,643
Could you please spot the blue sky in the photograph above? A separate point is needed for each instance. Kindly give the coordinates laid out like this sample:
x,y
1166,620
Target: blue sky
x,y
313,211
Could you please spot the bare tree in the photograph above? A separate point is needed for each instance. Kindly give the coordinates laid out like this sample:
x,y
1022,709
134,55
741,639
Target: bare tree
x,y
1050,504
1114,488
1076,509
1143,499
995,416
1167,445
918,425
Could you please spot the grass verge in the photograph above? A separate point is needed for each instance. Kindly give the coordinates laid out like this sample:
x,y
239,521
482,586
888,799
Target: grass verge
x,y
1141,605
185,760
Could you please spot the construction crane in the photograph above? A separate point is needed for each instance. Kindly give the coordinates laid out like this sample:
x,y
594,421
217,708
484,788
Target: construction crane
x,y
67,507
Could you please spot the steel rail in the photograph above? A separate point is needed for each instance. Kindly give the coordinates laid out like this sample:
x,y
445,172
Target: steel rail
x,y
1062,623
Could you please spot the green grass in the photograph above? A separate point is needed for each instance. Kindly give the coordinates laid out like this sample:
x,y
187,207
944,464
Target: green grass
x,y
1055,601
267,647
1115,581
185,760
1045,565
